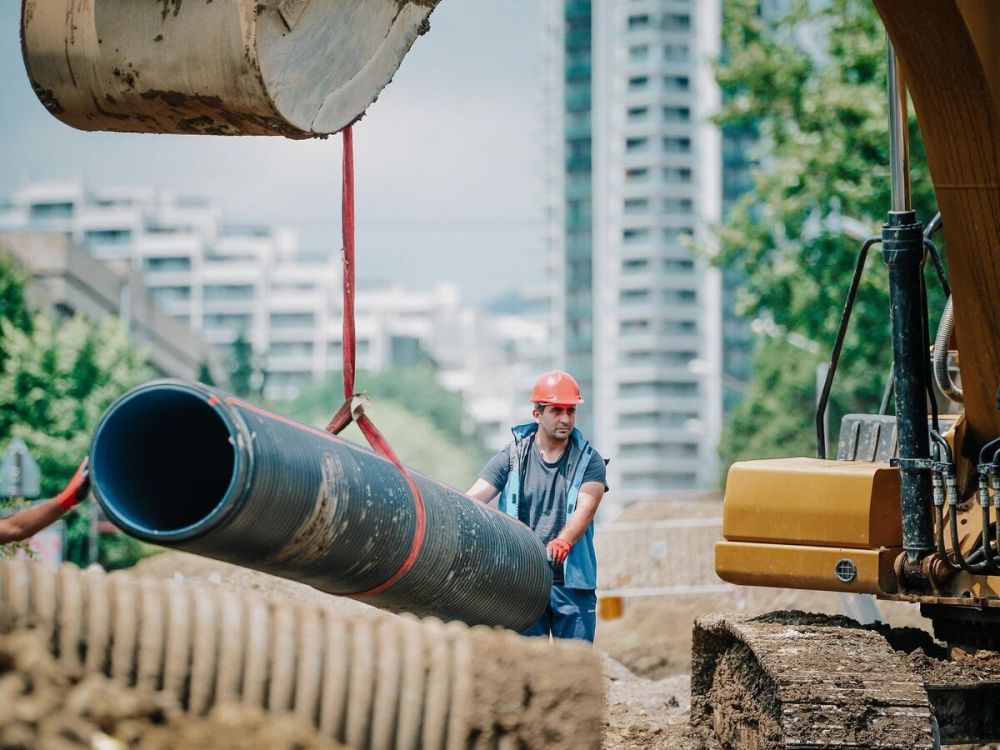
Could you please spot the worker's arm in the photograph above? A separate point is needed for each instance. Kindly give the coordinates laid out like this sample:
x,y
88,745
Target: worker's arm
x,y
482,491
25,523
590,497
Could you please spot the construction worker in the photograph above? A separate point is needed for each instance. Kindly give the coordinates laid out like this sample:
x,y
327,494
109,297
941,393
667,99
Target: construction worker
x,y
550,478
28,522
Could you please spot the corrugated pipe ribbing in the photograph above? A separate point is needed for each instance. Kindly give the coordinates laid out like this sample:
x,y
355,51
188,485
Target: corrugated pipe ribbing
x,y
186,466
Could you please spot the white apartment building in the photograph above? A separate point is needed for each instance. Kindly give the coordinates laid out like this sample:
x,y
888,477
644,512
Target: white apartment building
x,y
503,355
637,181
222,281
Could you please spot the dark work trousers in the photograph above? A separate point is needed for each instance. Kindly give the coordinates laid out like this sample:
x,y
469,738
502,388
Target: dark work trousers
x,y
572,613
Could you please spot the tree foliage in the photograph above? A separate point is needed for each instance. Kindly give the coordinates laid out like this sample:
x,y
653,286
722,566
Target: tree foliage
x,y
13,306
56,380
421,420
246,378
812,83
56,384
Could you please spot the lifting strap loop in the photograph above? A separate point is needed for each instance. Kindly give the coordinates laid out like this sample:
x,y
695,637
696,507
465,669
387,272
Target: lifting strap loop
x,y
353,408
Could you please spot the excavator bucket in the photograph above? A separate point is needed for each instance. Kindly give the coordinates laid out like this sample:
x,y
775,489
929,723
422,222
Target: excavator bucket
x,y
298,68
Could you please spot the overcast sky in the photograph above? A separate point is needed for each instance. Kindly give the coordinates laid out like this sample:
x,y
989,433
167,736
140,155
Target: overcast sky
x,y
449,160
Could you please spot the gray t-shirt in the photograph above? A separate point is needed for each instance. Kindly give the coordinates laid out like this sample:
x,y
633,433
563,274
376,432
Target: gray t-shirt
x,y
544,486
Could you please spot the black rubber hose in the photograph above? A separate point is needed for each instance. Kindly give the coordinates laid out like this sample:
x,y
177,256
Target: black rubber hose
x,y
941,451
925,329
838,345
942,550
186,466
965,564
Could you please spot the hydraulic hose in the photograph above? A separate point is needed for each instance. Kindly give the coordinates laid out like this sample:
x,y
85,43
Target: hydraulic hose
x,y
941,374
186,466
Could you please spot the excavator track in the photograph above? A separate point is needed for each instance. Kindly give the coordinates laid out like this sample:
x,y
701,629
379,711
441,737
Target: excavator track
x,y
792,680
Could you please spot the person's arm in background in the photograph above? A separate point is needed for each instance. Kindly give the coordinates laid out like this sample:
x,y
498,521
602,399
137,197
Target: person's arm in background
x,y
482,491
28,522
492,477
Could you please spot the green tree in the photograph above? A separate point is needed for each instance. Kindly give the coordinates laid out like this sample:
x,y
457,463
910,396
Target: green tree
x,y
421,420
13,305
56,380
205,374
812,83
56,384
246,379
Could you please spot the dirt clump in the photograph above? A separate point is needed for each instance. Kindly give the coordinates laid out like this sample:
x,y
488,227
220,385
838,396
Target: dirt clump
x,y
644,713
42,707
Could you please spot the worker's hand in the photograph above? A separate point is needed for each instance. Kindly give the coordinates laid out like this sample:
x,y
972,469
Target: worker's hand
x,y
77,489
557,550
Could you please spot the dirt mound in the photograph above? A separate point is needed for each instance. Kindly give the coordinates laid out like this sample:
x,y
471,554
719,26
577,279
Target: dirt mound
x,y
42,707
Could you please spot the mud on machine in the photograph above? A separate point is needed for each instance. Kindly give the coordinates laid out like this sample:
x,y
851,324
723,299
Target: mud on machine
x,y
909,508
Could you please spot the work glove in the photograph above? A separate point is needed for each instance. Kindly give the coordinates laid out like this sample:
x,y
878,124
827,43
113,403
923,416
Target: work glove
x,y
76,491
557,550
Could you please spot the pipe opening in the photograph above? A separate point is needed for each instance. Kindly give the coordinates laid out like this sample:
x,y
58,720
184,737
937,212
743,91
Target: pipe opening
x,y
163,461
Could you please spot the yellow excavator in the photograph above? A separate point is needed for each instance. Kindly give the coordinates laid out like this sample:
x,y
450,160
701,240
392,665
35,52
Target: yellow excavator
x,y
908,510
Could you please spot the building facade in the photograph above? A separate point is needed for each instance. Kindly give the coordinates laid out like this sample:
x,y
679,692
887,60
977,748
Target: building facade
x,y
223,282
66,281
636,184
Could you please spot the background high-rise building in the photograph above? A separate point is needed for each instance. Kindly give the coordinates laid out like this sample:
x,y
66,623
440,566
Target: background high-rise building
x,y
636,182
222,281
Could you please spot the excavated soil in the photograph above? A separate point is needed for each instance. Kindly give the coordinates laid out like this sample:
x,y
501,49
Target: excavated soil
x,y
646,657
42,707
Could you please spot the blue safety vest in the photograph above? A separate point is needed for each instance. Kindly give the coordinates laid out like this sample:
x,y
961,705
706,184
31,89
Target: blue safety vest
x,y
580,568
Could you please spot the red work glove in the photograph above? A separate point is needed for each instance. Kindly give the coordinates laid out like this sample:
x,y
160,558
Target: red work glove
x,y
557,550
76,491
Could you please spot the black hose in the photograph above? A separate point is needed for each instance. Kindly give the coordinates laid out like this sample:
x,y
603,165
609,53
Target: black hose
x,y
942,550
984,452
838,345
183,465
964,563
890,384
933,226
941,452
925,332
938,266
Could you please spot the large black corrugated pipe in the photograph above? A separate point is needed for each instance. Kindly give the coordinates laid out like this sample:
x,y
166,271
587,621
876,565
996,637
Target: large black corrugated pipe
x,y
186,466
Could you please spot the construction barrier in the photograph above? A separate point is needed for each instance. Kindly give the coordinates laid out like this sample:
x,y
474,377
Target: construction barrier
x,y
658,558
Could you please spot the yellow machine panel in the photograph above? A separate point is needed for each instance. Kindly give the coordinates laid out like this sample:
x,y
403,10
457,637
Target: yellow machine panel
x,y
850,570
811,502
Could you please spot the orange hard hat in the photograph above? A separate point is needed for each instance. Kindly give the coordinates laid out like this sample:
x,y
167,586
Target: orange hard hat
x,y
556,387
